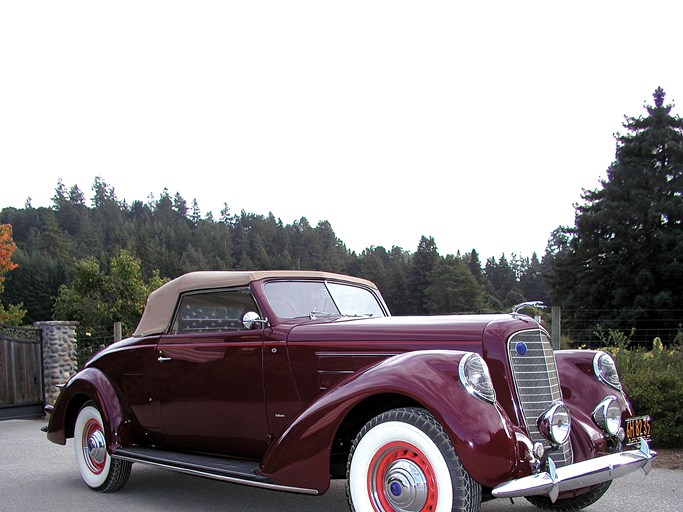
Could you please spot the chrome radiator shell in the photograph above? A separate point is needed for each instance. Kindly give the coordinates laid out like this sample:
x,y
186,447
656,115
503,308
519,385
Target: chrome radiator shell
x,y
534,371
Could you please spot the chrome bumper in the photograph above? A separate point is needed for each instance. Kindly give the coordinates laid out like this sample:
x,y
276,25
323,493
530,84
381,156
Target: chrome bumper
x,y
575,476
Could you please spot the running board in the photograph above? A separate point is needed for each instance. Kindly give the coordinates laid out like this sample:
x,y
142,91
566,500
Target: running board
x,y
236,471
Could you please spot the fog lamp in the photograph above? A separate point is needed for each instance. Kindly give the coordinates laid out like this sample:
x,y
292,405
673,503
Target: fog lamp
x,y
607,415
621,435
555,423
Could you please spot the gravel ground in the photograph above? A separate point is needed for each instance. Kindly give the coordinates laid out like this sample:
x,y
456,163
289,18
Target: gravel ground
x,y
36,475
669,458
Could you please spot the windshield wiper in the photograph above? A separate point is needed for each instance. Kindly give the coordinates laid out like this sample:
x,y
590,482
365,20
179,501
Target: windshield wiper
x,y
313,315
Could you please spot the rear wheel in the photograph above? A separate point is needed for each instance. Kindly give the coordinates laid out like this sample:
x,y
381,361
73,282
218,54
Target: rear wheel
x,y
99,471
403,460
570,504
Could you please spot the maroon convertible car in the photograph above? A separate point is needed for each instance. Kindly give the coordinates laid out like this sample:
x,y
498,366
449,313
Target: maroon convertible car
x,y
284,380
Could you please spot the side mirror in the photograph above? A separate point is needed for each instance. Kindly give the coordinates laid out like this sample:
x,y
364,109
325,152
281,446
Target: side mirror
x,y
251,320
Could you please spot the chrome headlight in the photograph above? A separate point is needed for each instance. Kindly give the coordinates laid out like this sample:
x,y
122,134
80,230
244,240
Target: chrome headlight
x,y
474,375
606,370
607,415
555,423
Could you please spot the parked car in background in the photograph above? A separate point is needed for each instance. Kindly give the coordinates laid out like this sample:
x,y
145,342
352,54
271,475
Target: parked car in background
x,y
286,379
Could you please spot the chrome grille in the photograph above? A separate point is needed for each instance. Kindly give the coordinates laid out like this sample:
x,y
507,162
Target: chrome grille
x,y
535,374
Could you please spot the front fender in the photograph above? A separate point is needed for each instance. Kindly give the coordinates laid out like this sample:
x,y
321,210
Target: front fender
x,y
582,391
481,433
89,384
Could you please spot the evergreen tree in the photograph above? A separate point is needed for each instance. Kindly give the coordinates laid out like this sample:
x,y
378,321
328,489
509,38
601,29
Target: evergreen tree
x,y
531,281
474,264
623,253
490,300
35,283
164,234
396,291
373,268
226,217
422,265
180,205
452,288
503,276
196,214
332,250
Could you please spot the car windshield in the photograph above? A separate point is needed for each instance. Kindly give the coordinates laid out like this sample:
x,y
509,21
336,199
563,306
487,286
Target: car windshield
x,y
295,299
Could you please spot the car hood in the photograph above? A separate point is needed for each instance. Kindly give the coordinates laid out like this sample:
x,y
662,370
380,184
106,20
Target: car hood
x,y
447,328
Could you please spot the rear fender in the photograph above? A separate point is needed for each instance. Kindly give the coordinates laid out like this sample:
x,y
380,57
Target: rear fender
x,y
89,384
481,433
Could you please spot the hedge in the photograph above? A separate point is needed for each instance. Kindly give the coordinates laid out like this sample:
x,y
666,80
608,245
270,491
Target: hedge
x,y
653,380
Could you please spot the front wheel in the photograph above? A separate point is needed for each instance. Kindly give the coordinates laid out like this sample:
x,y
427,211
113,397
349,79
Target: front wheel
x,y
97,468
570,504
403,460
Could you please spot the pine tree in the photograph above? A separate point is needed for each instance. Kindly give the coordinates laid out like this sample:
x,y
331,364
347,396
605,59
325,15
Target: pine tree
x,y
623,253
531,281
503,277
421,266
453,288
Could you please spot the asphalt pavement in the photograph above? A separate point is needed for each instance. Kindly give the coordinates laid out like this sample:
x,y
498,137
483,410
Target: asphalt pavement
x,y
37,475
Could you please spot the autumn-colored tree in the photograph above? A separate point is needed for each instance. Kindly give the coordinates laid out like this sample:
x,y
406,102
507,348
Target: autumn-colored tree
x,y
7,248
14,313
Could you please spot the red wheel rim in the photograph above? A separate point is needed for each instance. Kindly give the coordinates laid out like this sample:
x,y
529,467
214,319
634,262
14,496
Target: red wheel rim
x,y
402,478
94,448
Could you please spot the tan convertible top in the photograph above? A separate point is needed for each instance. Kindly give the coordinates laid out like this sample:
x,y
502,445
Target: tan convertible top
x,y
161,302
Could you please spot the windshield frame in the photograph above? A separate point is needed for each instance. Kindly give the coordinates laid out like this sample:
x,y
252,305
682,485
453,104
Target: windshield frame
x,y
330,304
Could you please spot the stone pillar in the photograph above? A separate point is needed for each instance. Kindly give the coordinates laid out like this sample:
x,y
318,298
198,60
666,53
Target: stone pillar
x,y
59,355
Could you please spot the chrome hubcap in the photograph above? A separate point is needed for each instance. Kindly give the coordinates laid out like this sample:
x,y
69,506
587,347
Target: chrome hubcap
x,y
96,447
405,486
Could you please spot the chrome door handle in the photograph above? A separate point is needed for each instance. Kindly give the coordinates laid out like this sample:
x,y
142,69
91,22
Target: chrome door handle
x,y
161,359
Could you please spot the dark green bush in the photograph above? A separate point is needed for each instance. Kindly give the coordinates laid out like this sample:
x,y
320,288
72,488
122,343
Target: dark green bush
x,y
653,381
658,393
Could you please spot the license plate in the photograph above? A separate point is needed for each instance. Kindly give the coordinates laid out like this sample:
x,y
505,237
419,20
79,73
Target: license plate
x,y
637,428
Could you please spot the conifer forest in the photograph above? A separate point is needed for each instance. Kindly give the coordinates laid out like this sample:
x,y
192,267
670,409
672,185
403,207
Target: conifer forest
x,y
90,251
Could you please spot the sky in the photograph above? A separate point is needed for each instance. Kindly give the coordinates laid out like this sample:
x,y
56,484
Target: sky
x,y
475,123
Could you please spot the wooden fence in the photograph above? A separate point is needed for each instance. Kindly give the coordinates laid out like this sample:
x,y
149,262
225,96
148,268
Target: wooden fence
x,y
21,372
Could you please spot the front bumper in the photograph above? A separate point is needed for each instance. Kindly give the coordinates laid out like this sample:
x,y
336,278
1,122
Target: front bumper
x,y
579,475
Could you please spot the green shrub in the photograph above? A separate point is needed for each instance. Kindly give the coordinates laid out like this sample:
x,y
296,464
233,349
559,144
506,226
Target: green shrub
x,y
658,394
653,380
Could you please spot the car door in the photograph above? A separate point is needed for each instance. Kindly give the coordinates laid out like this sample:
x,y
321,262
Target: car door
x,y
210,377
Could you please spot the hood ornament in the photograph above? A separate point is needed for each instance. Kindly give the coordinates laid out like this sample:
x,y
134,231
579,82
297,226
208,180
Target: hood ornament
x,y
532,304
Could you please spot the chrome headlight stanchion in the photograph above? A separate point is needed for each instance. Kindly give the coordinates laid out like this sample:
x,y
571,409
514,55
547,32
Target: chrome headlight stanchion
x,y
555,425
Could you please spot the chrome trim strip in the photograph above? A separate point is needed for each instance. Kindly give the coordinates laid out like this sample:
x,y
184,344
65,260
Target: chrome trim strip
x,y
222,478
357,354
581,474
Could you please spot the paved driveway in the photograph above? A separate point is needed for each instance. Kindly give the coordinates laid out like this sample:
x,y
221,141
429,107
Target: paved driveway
x,y
36,475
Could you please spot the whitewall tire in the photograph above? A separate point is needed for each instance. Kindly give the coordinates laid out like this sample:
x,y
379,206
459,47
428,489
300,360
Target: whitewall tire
x,y
98,470
402,460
